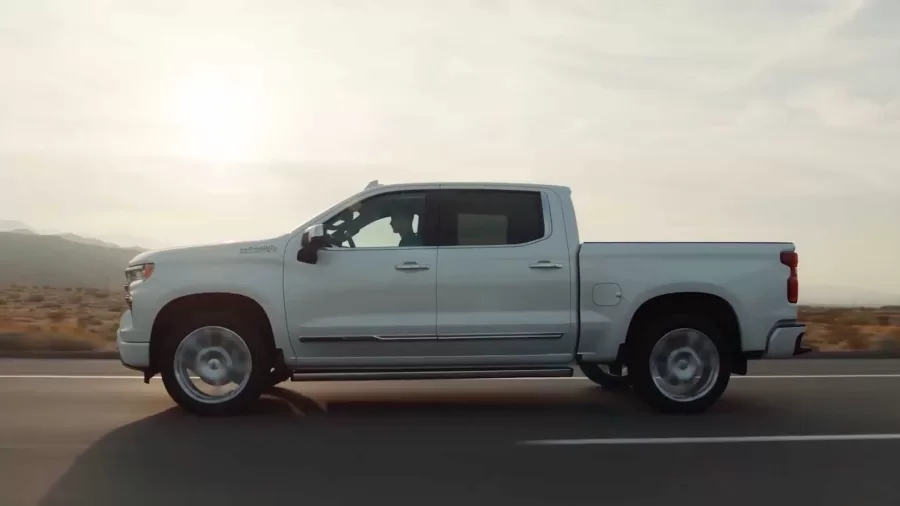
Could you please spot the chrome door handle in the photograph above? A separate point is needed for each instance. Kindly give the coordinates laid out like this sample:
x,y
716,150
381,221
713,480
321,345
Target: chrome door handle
x,y
545,264
411,266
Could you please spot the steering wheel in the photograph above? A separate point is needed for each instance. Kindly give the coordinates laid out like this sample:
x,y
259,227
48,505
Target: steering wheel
x,y
344,231
338,236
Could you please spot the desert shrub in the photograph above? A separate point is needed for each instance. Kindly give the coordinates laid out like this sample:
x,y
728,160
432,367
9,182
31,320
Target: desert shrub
x,y
56,316
110,332
855,317
888,344
855,339
51,305
34,298
87,320
822,317
19,342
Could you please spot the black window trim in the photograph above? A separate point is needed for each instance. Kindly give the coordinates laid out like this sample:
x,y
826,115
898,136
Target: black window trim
x,y
545,211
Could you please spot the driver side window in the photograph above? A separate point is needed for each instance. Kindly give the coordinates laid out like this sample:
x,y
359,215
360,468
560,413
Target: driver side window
x,y
388,220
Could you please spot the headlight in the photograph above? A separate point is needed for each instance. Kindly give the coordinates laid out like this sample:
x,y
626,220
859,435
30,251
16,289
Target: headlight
x,y
134,273
139,272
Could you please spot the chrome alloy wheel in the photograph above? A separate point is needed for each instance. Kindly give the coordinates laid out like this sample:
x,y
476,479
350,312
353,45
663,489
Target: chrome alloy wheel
x,y
684,364
212,365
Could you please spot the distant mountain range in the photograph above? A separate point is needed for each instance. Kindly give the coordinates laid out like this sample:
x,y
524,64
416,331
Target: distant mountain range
x,y
12,225
109,241
31,259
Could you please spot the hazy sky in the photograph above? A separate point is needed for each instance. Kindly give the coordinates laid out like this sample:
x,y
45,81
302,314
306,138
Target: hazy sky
x,y
712,120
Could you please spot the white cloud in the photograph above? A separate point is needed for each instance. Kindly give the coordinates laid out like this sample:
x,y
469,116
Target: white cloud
x,y
836,107
693,120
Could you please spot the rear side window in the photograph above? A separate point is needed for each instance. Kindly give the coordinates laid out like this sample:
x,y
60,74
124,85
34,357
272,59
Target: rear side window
x,y
490,217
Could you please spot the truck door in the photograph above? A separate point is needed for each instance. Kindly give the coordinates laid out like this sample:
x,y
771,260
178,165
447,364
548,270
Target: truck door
x,y
504,277
371,297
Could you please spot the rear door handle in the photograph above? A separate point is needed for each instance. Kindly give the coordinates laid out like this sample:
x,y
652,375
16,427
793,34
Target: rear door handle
x,y
545,264
411,266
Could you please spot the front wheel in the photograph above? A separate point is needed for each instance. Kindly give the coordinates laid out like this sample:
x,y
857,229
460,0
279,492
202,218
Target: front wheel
x,y
611,377
215,364
680,363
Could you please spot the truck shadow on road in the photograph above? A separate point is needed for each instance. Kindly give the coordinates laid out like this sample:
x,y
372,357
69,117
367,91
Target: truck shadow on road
x,y
339,447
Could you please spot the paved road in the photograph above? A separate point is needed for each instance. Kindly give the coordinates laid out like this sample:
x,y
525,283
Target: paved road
x,y
113,440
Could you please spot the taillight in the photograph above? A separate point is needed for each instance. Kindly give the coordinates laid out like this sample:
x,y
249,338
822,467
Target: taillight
x,y
791,259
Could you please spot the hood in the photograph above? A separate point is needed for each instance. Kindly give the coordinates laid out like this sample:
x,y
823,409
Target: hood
x,y
207,252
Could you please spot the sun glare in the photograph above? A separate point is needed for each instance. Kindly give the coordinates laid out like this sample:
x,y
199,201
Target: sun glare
x,y
217,117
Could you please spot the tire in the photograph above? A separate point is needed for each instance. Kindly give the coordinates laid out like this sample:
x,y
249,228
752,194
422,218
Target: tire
x,y
669,335
607,379
216,328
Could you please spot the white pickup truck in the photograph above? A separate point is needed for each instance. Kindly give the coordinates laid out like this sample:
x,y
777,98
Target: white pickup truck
x,y
456,280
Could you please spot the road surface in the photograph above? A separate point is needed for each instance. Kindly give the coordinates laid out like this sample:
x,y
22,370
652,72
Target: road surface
x,y
799,432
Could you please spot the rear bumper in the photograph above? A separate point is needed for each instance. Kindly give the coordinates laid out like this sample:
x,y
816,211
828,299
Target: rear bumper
x,y
784,341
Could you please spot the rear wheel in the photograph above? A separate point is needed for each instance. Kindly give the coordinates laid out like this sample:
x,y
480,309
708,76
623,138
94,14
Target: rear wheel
x,y
215,364
680,363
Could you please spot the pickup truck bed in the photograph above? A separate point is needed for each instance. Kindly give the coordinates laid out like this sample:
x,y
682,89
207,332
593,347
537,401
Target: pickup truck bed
x,y
732,271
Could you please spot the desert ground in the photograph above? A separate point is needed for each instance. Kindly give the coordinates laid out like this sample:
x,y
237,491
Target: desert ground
x,y
59,319
82,319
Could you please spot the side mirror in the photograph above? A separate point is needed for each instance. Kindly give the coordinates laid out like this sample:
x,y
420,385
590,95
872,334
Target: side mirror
x,y
312,234
312,240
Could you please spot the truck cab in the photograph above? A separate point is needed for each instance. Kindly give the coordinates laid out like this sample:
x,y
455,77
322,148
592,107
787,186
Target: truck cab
x,y
451,280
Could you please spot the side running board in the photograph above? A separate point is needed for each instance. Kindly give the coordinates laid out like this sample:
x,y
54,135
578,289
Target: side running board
x,y
429,374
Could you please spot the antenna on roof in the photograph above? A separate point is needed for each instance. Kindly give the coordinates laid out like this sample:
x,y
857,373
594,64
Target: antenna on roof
x,y
373,184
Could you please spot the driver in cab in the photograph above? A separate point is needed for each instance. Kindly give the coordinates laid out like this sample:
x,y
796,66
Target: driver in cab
x,y
402,225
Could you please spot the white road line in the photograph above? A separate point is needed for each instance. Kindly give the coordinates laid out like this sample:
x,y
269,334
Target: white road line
x,y
734,377
65,376
572,378
710,440
815,376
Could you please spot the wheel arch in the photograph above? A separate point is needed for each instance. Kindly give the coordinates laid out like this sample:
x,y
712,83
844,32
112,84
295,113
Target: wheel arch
x,y
719,310
175,309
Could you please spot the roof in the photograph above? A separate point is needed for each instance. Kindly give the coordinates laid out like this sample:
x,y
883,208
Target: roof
x,y
475,184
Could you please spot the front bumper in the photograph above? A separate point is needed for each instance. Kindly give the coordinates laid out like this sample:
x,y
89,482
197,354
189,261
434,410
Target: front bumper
x,y
784,341
134,355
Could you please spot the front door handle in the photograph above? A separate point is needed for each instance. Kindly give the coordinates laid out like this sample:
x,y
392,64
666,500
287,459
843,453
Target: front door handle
x,y
545,264
411,266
